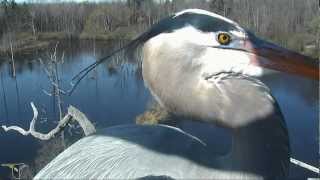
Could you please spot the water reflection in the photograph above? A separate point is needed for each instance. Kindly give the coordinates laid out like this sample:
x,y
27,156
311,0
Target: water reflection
x,y
109,95
4,98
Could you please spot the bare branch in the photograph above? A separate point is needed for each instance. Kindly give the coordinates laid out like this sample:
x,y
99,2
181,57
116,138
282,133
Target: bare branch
x,y
46,70
35,117
73,113
304,165
15,167
46,92
83,121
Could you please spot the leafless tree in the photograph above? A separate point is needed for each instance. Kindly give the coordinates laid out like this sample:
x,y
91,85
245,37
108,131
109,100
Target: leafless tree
x,y
283,21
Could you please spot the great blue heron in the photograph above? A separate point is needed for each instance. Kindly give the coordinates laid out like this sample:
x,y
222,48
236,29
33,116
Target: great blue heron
x,y
201,65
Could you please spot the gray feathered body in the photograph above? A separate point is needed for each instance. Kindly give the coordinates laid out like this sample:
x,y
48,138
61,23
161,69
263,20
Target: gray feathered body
x,y
133,151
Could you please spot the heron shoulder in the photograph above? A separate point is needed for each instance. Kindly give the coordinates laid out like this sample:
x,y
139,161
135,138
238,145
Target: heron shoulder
x,y
129,151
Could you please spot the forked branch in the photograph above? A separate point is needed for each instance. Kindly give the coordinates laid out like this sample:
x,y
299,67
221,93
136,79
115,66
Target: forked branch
x,y
73,114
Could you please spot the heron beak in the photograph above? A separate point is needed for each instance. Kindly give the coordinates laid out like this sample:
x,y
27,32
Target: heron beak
x,y
271,56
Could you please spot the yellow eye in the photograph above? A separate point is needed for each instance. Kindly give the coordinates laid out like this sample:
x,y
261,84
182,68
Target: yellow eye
x,y
224,38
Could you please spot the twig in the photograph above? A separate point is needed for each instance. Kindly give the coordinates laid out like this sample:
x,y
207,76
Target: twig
x,y
46,92
12,59
304,165
46,70
56,87
15,167
53,75
73,113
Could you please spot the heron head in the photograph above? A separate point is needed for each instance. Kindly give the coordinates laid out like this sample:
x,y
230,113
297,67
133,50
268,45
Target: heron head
x,y
203,65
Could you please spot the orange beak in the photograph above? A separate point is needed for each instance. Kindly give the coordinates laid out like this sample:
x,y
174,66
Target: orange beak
x,y
271,56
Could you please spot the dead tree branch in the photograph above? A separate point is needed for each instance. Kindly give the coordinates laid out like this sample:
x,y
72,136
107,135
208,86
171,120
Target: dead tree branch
x,y
73,114
304,165
15,168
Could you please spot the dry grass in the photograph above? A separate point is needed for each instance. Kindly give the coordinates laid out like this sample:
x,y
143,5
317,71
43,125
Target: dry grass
x,y
154,115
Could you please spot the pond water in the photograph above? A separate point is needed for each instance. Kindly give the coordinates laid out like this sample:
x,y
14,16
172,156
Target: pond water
x,y
109,95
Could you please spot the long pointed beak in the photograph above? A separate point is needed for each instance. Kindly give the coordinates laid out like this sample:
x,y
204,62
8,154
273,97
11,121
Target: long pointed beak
x,y
271,56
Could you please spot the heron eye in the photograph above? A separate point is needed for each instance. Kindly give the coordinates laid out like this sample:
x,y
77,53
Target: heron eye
x,y
224,38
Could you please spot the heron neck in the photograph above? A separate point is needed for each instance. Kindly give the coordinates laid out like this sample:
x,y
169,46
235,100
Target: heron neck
x,y
261,147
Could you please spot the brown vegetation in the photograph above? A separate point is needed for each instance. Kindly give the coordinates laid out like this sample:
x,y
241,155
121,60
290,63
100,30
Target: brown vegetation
x,y
154,114
291,23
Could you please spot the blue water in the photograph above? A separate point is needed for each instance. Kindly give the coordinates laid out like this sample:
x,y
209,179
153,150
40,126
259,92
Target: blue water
x,y
107,96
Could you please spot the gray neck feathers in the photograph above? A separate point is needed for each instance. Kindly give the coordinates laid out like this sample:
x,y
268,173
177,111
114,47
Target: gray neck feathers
x,y
261,147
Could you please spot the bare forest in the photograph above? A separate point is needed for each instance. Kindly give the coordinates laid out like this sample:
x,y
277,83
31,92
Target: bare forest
x,y
291,23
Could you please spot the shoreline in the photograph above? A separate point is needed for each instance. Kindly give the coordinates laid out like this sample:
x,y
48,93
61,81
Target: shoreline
x,y
26,42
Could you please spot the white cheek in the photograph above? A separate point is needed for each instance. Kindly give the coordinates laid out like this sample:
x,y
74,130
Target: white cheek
x,y
216,60
253,70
